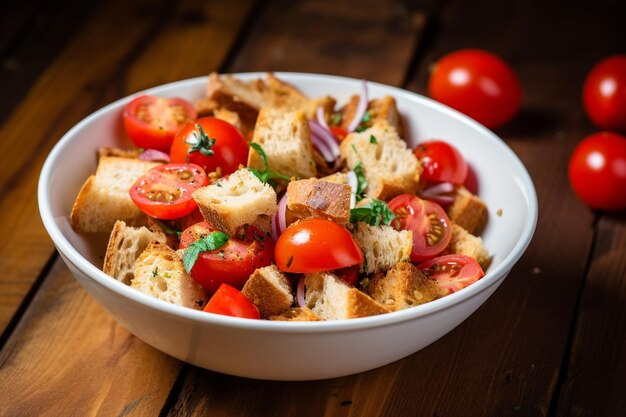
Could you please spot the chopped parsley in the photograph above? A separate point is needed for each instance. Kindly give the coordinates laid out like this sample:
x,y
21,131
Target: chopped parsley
x,y
367,117
361,181
373,139
155,272
266,175
336,119
372,213
209,243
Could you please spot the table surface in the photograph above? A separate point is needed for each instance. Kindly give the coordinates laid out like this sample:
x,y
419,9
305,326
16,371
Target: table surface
x,y
550,342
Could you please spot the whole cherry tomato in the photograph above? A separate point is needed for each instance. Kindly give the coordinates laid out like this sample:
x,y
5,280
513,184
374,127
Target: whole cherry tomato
x,y
442,162
151,122
604,94
211,143
597,171
477,83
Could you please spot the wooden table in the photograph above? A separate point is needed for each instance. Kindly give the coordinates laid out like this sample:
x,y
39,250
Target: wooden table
x,y
550,342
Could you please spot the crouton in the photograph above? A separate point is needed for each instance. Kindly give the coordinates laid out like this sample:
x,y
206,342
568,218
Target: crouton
x,y
464,243
125,245
297,314
230,117
270,290
104,199
382,246
401,287
234,201
381,109
468,211
286,140
388,165
316,198
159,272
331,298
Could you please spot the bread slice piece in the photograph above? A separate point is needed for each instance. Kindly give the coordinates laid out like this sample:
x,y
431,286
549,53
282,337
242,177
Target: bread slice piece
x,y
382,246
332,299
468,211
286,140
125,245
234,201
159,272
380,109
403,286
388,165
464,243
270,290
104,199
317,198
297,314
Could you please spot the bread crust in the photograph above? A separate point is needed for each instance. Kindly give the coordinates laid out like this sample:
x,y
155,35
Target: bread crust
x,y
318,198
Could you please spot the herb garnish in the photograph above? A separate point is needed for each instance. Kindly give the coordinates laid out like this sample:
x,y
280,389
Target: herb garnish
x,y
361,181
372,213
266,175
209,243
367,116
203,143
373,139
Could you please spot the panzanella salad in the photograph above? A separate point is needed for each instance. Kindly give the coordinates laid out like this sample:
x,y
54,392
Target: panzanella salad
x,y
260,202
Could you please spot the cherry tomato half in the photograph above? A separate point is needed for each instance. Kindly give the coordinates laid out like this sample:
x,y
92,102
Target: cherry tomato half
x,y
597,171
165,191
604,94
442,162
234,262
314,245
229,301
228,151
477,83
452,272
151,122
428,222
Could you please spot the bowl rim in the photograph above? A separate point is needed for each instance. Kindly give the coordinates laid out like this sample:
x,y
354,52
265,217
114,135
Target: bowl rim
x,y
492,277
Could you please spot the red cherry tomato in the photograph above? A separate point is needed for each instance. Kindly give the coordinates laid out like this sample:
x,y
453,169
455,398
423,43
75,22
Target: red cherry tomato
x,y
477,83
234,262
228,152
442,162
339,132
165,191
350,274
452,272
428,222
151,122
604,93
313,245
229,301
597,171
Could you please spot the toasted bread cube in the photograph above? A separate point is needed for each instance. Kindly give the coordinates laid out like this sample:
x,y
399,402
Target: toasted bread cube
x,y
104,199
297,314
159,272
382,246
230,117
389,166
332,299
380,109
403,286
464,243
317,198
234,201
468,211
270,290
286,140
126,245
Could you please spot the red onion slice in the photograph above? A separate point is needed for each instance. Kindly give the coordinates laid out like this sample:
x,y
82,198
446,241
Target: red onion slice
x,y
442,200
321,147
438,189
321,119
282,214
300,292
324,141
274,226
361,108
153,155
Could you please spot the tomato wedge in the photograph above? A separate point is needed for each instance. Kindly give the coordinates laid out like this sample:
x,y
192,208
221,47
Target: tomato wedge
x,y
452,272
211,143
152,122
314,245
234,262
229,301
165,191
428,222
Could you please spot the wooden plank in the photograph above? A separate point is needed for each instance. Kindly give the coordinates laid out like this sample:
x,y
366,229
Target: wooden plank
x,y
535,306
596,374
69,357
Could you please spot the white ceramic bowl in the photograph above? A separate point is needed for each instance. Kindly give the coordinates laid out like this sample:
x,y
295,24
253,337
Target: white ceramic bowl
x,y
290,350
